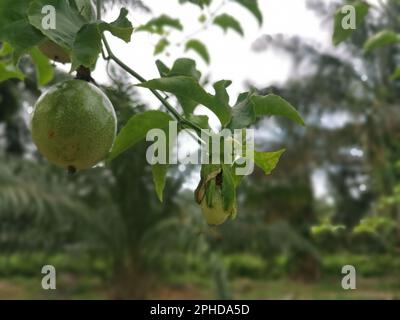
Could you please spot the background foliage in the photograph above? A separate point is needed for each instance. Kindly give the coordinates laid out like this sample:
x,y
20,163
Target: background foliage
x,y
109,236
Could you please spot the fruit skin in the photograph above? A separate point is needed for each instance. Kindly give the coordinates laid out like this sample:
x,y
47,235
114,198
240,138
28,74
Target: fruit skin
x,y
216,214
74,125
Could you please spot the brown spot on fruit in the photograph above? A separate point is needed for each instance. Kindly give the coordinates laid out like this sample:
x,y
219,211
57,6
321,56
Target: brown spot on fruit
x,y
51,134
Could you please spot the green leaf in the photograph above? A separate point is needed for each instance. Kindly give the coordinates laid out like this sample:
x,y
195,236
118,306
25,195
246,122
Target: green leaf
x,y
267,161
188,105
136,130
68,22
250,106
228,188
340,34
159,172
161,46
273,105
76,36
6,49
8,71
44,68
199,48
200,120
163,70
181,86
87,44
185,67
222,108
15,27
121,28
158,25
243,113
380,39
237,179
86,47
210,190
226,22
208,173
252,6
85,9
189,88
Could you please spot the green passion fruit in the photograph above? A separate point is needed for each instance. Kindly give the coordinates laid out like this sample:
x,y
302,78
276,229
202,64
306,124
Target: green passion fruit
x,y
74,125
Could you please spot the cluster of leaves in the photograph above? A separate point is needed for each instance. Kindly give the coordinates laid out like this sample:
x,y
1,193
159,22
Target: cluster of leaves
x,y
182,80
76,32
80,34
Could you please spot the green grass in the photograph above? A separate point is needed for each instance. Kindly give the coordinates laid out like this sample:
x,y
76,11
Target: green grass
x,y
72,287
371,288
252,277
68,287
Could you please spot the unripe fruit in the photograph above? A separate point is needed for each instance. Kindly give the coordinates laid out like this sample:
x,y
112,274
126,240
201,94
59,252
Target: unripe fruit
x,y
216,214
74,125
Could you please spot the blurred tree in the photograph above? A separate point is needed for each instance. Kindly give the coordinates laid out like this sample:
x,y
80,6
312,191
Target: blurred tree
x,y
350,103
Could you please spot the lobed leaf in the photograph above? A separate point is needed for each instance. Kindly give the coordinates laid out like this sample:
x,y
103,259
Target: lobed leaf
x,y
121,27
188,88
